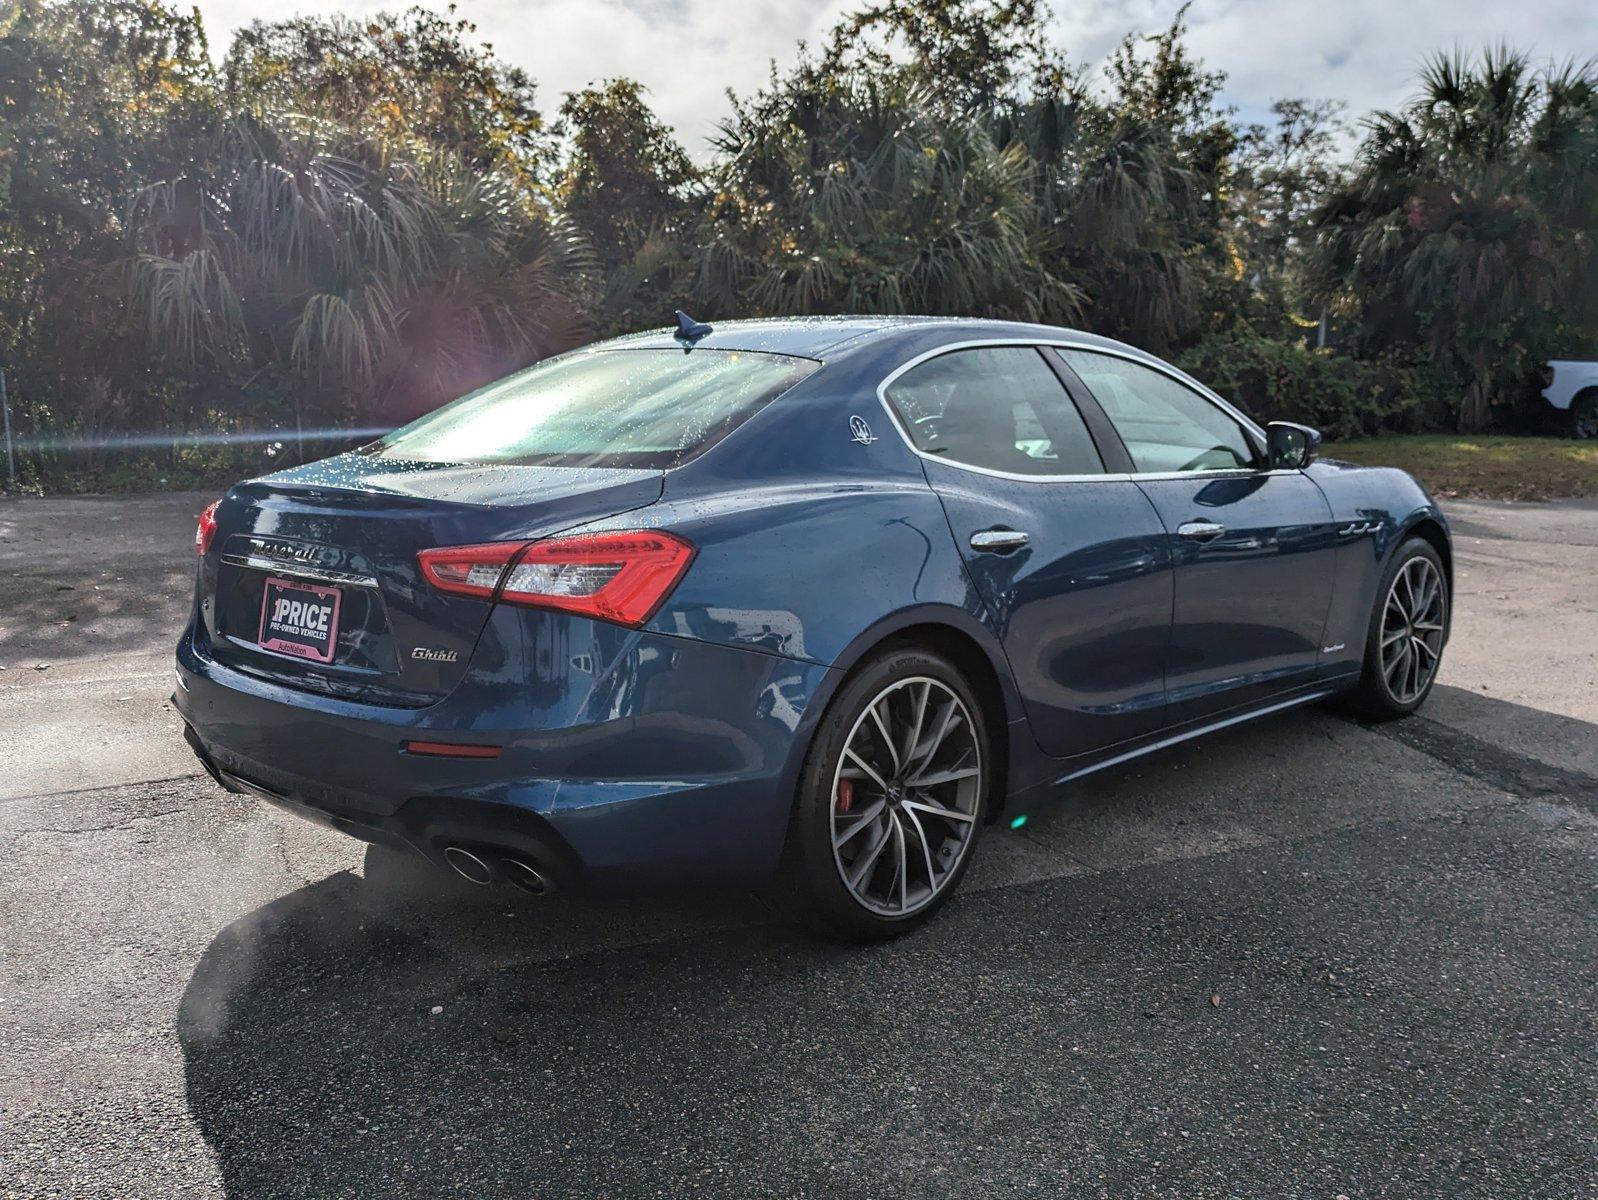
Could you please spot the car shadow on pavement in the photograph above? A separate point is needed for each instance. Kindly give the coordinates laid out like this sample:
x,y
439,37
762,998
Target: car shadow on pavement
x,y
1529,742
345,1041
351,1040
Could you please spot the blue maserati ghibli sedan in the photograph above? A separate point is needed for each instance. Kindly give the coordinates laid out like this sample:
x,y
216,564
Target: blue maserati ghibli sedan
x,y
811,601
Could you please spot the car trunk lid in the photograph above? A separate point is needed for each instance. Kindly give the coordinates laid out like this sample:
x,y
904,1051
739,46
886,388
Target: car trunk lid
x,y
318,584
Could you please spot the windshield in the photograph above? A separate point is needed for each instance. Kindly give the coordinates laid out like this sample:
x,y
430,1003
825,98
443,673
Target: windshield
x,y
618,408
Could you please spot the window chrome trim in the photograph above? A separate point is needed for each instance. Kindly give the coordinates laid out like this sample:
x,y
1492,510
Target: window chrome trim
x,y
1187,381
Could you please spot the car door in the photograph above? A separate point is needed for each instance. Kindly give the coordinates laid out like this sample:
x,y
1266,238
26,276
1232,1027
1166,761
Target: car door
x,y
1253,550
1072,565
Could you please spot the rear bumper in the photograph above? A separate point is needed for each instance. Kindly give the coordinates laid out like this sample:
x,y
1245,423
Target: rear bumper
x,y
671,760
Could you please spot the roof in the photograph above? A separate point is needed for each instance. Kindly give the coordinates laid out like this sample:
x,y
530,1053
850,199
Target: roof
x,y
826,337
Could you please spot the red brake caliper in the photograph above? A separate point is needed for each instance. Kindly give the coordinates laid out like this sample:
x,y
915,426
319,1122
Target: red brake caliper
x,y
845,795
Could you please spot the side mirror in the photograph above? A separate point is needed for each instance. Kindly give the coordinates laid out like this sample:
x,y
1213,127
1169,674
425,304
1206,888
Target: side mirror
x,y
1292,447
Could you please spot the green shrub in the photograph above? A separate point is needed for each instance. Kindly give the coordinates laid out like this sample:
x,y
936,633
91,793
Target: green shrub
x,y
1342,397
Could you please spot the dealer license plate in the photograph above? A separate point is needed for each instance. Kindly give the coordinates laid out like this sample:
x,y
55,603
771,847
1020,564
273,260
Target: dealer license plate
x,y
299,619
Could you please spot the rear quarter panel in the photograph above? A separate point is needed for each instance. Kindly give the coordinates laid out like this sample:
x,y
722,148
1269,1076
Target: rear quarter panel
x,y
807,537
805,570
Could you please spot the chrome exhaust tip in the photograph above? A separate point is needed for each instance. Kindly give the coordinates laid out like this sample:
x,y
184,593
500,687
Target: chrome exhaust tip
x,y
468,866
522,875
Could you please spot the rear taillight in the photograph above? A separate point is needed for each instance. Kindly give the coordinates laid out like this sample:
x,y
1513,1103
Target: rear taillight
x,y
468,570
206,529
620,577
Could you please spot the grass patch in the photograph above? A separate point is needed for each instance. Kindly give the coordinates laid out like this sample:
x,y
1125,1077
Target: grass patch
x,y
1485,467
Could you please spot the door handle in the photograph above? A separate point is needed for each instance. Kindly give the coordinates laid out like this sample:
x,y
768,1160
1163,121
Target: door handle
x,y
1200,531
999,541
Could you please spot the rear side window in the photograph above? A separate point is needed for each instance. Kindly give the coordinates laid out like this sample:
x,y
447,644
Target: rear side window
x,y
610,408
1166,425
999,408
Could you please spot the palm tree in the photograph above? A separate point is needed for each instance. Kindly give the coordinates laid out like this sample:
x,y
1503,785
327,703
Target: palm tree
x,y
1110,193
382,282
1467,226
853,191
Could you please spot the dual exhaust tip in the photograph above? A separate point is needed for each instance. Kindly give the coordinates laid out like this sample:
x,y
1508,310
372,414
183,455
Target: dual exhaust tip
x,y
475,869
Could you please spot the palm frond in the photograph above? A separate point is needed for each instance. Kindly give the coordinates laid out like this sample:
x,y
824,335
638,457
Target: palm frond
x,y
188,305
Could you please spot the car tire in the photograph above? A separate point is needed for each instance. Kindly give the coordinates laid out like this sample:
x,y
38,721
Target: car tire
x,y
916,831
1388,688
1584,416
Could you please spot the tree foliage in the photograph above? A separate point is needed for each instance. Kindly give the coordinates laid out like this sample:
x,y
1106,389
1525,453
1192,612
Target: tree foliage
x,y
1285,172
344,222
1129,184
95,98
855,191
415,78
628,188
350,221
375,286
1467,226
970,54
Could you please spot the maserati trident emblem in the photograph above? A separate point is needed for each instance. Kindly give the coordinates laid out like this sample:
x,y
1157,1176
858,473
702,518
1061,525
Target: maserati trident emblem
x,y
861,432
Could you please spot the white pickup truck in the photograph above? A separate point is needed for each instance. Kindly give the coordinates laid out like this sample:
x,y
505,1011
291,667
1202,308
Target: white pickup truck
x,y
1572,387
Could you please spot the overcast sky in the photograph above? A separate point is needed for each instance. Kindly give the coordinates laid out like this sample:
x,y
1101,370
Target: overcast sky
x,y
688,52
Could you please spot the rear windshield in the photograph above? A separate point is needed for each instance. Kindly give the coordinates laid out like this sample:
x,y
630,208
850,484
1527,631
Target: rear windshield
x,y
615,408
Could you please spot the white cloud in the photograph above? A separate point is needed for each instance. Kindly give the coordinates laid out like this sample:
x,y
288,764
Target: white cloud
x,y
1366,51
689,52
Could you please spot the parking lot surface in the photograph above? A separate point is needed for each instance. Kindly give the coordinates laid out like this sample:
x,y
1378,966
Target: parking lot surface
x,y
1304,957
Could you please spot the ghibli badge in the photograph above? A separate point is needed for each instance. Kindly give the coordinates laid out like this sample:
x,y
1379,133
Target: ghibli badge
x,y
428,654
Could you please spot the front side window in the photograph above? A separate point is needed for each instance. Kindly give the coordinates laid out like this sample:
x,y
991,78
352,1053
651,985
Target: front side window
x,y
1166,425
610,408
1000,408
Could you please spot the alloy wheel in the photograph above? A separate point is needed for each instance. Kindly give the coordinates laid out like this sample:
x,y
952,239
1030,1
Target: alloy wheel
x,y
906,796
1412,629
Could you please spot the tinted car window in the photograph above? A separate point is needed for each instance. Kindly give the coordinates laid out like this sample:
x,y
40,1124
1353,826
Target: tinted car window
x,y
618,408
1166,425
1000,408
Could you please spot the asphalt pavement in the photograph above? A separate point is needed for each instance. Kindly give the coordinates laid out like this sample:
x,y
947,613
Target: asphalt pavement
x,y
1302,958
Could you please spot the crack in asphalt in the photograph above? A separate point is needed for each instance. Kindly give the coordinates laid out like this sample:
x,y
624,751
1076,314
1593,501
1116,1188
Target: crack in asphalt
x,y
106,787
106,828
281,846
